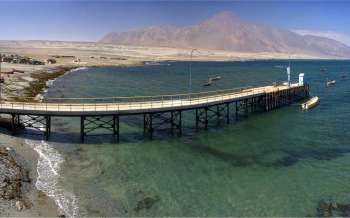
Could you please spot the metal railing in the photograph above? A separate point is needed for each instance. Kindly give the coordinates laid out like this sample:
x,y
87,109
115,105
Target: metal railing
x,y
134,102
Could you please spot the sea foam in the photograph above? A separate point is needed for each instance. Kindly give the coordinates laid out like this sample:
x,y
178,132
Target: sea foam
x,y
48,169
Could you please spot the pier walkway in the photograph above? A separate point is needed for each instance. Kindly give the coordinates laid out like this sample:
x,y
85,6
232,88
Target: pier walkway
x,y
168,108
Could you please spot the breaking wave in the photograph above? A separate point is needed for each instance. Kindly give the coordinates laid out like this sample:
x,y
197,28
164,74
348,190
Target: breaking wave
x,y
48,169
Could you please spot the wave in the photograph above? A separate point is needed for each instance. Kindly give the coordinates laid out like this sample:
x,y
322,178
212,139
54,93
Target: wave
x,y
48,169
77,69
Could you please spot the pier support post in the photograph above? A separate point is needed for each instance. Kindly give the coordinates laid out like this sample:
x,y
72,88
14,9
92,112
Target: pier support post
x,y
82,131
92,126
116,127
206,118
252,104
151,126
197,119
48,127
180,123
172,122
176,120
228,113
218,115
161,120
144,124
13,124
148,124
236,111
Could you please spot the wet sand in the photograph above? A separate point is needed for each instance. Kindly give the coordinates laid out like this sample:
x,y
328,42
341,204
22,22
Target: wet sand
x,y
36,203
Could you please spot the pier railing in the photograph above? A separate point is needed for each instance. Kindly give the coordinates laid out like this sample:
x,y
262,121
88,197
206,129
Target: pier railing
x,y
155,98
134,102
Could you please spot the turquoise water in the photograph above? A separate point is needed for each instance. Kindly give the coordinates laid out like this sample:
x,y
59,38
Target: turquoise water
x,y
280,163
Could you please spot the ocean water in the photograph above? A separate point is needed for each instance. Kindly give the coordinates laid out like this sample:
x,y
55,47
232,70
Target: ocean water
x,y
279,163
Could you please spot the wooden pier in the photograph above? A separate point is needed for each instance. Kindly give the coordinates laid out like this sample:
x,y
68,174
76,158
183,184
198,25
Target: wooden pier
x,y
157,111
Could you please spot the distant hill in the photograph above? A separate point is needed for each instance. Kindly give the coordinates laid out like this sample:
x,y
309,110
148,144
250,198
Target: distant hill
x,y
226,31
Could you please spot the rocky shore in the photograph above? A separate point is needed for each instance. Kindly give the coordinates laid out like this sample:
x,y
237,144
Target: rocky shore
x,y
18,196
11,178
26,85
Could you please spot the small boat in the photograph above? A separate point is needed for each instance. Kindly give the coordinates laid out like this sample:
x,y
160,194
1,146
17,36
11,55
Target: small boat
x,y
215,78
330,82
152,63
208,83
312,102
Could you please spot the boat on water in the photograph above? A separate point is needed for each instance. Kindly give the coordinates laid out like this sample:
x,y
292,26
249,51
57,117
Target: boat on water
x,y
215,78
312,102
209,83
152,63
211,80
330,82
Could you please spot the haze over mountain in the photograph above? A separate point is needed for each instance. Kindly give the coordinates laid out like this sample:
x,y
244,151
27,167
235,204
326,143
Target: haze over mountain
x,y
226,31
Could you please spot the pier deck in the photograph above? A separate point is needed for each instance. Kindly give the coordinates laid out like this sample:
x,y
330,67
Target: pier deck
x,y
142,104
167,108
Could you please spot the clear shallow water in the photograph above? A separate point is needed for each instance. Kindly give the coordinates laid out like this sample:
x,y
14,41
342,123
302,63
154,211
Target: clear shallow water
x,y
280,163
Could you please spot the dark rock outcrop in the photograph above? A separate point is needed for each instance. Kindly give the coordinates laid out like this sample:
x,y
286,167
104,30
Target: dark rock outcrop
x,y
10,176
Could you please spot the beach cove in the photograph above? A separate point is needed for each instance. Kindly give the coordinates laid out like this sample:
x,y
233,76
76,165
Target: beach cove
x,y
230,168
29,83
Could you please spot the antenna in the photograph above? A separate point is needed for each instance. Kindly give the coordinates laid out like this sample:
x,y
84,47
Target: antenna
x,y
288,72
190,79
289,60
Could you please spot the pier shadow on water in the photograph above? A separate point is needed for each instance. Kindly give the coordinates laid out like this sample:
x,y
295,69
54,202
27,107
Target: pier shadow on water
x,y
290,158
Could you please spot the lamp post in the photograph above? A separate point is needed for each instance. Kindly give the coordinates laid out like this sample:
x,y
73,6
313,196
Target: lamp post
x,y
190,79
288,73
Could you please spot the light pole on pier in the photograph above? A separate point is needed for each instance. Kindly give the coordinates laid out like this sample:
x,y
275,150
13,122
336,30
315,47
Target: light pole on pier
x,y
190,79
288,73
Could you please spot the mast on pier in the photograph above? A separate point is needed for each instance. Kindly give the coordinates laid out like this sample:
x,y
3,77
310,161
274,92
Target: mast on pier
x,y
288,73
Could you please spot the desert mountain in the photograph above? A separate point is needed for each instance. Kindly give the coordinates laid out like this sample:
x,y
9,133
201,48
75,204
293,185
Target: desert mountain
x,y
226,31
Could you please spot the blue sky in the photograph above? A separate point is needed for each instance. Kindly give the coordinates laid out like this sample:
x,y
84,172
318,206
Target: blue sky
x,y
89,20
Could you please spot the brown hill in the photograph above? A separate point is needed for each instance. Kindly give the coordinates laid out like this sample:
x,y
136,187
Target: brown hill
x,y
226,31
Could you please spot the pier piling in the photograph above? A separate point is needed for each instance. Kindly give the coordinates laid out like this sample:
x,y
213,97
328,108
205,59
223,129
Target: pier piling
x,y
159,115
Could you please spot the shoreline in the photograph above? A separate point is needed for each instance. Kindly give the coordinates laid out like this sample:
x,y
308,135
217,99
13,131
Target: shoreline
x,y
29,201
31,85
39,96
47,199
